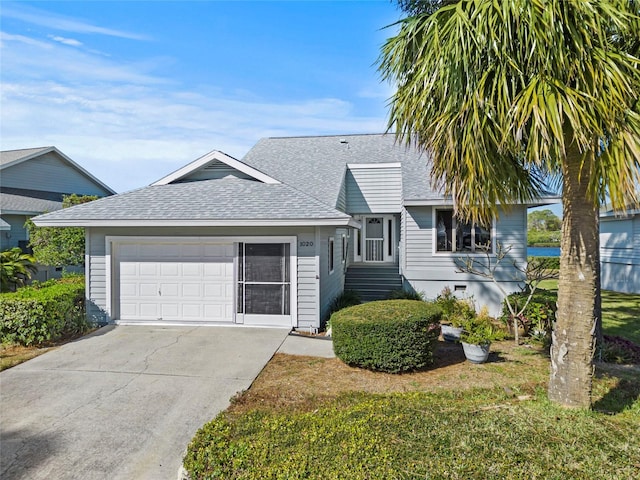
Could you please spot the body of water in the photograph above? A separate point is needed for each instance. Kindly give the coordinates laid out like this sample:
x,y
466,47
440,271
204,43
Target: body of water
x,y
543,251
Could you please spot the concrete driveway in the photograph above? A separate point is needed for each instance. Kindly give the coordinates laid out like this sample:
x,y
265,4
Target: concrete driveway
x,y
124,402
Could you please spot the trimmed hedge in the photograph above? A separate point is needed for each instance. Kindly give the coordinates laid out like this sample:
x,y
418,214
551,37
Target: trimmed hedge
x,y
391,336
43,312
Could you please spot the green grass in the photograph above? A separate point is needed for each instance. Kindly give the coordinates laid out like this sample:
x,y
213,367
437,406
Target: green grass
x,y
502,432
479,434
620,312
621,315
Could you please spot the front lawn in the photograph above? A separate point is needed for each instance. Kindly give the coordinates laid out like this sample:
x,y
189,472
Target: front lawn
x,y
320,419
317,418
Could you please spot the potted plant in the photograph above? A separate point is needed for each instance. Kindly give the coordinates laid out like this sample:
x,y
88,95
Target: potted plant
x,y
455,313
477,334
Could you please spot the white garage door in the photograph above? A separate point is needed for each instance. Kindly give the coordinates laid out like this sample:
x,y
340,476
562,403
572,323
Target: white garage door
x,y
184,282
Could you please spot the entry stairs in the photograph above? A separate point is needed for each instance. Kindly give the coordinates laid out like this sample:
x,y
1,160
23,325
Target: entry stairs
x,y
373,282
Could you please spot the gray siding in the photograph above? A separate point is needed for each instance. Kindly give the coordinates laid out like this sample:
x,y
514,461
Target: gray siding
x,y
620,254
331,284
374,190
308,313
430,273
17,232
50,173
215,171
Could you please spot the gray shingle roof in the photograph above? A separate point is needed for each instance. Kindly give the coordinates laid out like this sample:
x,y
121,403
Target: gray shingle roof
x,y
4,225
316,165
26,205
8,156
200,202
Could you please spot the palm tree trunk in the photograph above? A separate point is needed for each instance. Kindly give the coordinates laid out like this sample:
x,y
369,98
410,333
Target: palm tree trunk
x,y
578,315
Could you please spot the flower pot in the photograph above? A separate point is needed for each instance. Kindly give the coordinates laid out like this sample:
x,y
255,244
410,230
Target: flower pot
x,y
476,353
451,333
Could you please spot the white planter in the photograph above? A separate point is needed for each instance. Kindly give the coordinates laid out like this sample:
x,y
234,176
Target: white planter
x,y
476,353
450,333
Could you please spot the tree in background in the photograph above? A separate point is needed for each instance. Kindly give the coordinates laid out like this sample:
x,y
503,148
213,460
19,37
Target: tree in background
x,y
59,246
543,229
543,220
507,95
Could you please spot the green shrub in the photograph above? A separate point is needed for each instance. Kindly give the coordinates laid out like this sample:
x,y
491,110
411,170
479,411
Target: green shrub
x,y
480,329
406,295
537,318
348,298
391,335
455,311
43,312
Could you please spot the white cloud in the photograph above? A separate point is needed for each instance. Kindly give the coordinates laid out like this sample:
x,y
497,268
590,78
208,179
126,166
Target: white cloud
x,y
55,21
27,58
129,125
129,128
66,41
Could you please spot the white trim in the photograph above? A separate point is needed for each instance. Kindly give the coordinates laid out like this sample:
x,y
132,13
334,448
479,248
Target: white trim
x,y
209,158
87,268
369,166
301,222
151,323
112,242
331,253
386,240
318,264
434,238
417,202
621,215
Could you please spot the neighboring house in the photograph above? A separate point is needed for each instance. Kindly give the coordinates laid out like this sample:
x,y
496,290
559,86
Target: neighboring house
x,y
274,238
620,251
33,181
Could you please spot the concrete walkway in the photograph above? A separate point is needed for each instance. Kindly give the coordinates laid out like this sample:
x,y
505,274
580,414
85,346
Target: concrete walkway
x,y
299,344
124,402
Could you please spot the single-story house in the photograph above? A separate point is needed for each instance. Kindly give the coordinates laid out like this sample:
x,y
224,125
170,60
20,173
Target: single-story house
x,y
620,251
273,239
34,181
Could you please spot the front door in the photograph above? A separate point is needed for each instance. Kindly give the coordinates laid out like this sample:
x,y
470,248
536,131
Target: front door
x,y
378,239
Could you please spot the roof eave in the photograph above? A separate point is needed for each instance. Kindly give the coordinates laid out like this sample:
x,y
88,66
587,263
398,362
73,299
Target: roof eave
x,y
339,221
22,212
419,202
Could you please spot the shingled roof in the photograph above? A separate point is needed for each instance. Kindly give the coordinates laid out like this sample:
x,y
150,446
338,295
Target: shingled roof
x,y
317,165
228,201
10,156
26,205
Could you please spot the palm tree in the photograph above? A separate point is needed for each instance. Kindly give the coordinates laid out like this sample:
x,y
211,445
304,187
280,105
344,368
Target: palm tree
x,y
16,269
509,95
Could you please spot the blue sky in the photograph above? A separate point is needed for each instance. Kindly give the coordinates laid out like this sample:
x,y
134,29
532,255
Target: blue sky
x,y
134,90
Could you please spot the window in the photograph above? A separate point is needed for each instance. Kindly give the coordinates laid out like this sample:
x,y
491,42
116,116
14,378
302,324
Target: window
x,y
455,236
331,251
345,248
264,282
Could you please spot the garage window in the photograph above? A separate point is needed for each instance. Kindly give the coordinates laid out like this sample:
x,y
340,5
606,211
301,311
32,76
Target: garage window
x,y
264,283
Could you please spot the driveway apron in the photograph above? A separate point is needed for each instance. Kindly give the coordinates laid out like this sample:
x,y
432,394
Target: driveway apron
x,y
124,402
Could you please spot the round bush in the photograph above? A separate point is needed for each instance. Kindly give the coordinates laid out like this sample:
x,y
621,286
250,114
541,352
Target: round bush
x,y
391,336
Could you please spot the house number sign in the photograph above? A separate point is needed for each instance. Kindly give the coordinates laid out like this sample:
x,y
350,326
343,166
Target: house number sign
x,y
306,244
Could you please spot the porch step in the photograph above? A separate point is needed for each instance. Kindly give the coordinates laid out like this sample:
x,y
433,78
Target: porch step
x,y
373,282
